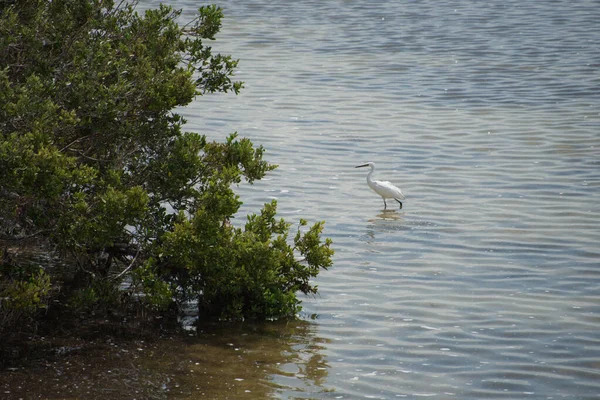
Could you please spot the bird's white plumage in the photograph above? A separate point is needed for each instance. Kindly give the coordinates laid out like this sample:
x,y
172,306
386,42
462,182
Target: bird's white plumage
x,y
383,188
386,190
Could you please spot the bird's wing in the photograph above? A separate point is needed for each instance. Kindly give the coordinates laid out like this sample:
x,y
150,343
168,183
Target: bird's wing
x,y
390,190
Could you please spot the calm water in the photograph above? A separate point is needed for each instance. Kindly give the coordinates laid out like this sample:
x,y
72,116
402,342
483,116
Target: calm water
x,y
487,283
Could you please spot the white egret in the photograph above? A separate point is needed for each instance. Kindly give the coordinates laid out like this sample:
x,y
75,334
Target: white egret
x,y
383,188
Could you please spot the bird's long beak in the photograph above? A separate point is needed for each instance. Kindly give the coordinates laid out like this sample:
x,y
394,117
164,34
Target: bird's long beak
x,y
360,166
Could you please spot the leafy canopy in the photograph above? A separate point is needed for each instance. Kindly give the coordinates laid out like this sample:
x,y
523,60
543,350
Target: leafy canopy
x,y
94,162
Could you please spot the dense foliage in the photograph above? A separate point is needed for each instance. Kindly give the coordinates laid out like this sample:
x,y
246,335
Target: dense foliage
x,y
95,167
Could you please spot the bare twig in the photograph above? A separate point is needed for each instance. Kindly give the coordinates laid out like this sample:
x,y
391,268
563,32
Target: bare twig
x,y
130,265
74,141
14,238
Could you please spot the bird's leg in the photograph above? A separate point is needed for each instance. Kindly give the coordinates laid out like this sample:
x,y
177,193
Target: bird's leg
x,y
399,202
384,205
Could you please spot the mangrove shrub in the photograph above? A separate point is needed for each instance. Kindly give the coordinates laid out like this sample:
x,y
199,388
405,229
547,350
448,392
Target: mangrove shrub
x,y
96,169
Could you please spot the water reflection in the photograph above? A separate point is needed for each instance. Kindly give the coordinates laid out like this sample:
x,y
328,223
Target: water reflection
x,y
260,360
388,215
385,222
245,361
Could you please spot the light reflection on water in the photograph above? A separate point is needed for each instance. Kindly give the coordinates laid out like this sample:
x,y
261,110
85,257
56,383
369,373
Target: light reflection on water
x,y
485,284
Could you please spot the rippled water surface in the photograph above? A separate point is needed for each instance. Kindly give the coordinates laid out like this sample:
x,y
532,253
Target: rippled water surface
x,y
486,283
487,115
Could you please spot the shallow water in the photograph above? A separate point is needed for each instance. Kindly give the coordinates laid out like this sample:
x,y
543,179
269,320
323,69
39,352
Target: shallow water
x,y
228,361
486,283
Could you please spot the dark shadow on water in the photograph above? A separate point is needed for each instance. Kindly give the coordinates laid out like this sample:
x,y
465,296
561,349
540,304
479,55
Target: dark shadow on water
x,y
220,361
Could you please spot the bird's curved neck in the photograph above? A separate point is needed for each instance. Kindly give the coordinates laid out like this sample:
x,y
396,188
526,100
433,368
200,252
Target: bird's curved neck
x,y
370,174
